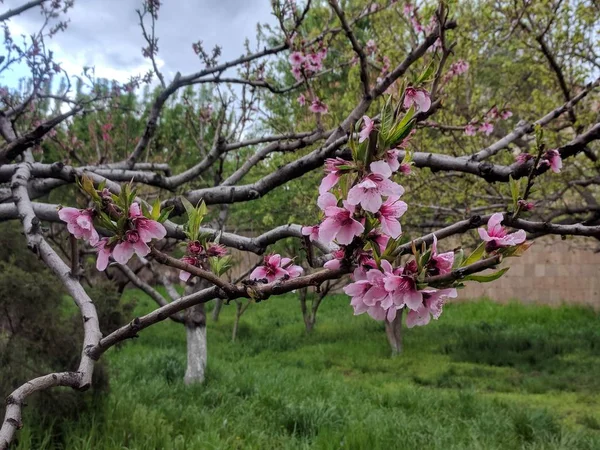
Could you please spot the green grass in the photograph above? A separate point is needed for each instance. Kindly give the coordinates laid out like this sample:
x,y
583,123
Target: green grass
x,y
485,376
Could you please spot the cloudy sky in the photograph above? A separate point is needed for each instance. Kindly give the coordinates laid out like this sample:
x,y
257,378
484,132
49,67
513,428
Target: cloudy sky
x,y
106,34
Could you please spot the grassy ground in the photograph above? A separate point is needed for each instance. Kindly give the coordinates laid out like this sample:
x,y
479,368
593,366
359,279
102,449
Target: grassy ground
x,y
484,376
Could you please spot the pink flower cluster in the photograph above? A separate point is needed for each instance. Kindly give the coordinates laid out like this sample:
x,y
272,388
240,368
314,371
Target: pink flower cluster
x,y
141,231
487,127
306,64
381,292
197,255
276,268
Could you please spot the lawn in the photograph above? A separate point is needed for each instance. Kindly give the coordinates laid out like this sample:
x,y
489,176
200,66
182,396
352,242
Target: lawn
x,y
485,376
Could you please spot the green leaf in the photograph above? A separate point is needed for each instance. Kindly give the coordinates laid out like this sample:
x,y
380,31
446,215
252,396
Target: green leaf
x,y
402,128
487,278
426,74
387,118
189,208
475,256
459,256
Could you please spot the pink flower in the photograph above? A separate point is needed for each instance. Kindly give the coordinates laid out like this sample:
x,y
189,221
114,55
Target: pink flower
x,y
195,247
302,100
371,47
80,223
418,97
405,168
314,62
433,301
526,206
276,268
553,158
459,67
486,128
403,290
104,252
368,192
339,224
183,275
470,130
439,264
217,250
326,200
389,213
369,294
522,158
368,126
296,59
317,106
148,229
506,114
297,73
391,158
271,270
497,236
312,232
380,239
333,168
336,262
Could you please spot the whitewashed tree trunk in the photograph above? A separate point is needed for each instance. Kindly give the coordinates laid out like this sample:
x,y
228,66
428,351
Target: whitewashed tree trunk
x,y
197,350
393,330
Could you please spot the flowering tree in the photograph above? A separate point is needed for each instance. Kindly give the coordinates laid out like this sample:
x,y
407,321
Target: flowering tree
x,y
366,153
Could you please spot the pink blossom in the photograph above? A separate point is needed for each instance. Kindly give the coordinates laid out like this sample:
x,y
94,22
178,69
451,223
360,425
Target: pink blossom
x,y
297,73
391,158
296,59
408,9
380,239
104,252
369,295
459,67
553,158
522,158
217,250
439,264
389,213
133,243
195,247
183,275
493,113
336,262
506,114
497,236
525,205
371,47
368,126
314,62
80,223
302,100
293,271
333,168
148,229
403,290
433,301
470,130
317,106
339,224
405,168
368,192
273,269
486,128
311,232
418,97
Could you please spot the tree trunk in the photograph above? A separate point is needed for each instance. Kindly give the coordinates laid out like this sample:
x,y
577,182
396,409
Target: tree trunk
x,y
393,330
217,311
195,329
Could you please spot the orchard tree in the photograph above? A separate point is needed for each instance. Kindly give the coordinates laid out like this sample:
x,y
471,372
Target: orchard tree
x,y
133,201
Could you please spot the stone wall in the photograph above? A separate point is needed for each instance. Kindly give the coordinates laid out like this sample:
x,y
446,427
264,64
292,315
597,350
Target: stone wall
x,y
551,272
